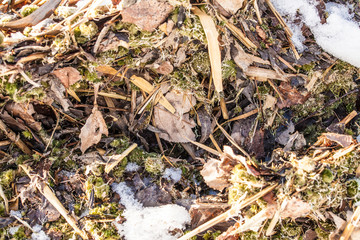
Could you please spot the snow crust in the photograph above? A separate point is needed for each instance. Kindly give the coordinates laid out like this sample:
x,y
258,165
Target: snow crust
x,y
173,174
339,35
151,222
39,234
132,167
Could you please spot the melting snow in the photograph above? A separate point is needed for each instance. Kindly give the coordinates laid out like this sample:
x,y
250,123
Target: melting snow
x,y
151,222
339,35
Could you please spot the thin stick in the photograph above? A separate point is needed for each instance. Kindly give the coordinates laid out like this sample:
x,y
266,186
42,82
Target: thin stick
x,y
354,221
12,136
233,141
45,190
211,136
229,213
117,158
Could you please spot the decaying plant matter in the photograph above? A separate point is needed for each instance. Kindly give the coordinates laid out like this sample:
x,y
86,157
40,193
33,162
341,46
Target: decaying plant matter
x,y
167,119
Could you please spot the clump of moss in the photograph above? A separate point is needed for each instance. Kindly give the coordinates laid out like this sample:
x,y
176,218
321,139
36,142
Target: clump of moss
x,y
20,234
96,184
27,10
106,209
64,11
154,165
85,31
200,62
103,231
242,183
7,177
209,235
327,176
228,68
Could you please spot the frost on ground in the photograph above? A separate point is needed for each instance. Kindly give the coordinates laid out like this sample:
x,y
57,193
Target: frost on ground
x,y
39,234
151,222
339,35
132,167
173,174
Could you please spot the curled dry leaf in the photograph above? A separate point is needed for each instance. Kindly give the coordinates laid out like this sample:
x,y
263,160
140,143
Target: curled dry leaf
x,y
291,96
216,173
91,132
57,93
342,139
25,112
176,127
67,75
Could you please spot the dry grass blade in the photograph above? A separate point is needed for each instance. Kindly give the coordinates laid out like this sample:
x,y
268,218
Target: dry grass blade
x,y
117,158
233,141
206,148
214,54
229,213
239,34
148,88
213,47
242,116
51,197
354,222
12,136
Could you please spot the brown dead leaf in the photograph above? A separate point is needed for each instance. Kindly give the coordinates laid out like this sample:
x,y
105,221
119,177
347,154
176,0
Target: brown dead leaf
x,y
291,96
214,176
260,32
91,132
241,58
165,68
147,15
216,173
57,94
25,112
67,75
176,127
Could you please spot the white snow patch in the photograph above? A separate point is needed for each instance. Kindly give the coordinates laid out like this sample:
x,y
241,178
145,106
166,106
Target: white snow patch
x,y
39,234
16,213
13,230
132,167
151,222
339,35
173,174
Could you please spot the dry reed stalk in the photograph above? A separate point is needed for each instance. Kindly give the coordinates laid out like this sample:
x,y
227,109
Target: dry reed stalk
x,y
16,139
45,190
229,213
117,158
214,53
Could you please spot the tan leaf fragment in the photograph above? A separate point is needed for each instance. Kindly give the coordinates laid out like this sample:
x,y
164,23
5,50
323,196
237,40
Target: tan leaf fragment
x,y
291,96
91,132
342,139
214,176
67,75
231,6
176,127
216,173
295,208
